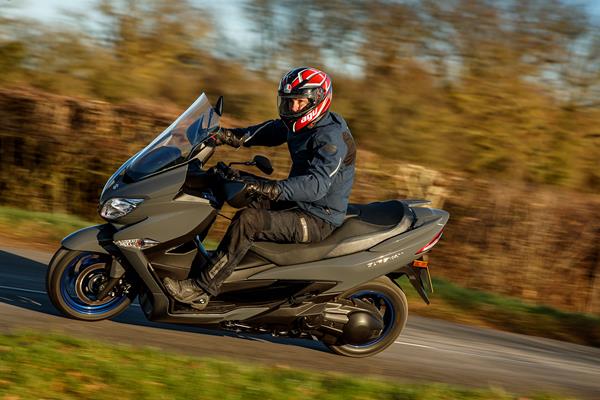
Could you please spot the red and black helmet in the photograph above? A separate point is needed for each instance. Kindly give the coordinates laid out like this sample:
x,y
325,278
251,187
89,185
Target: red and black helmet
x,y
308,83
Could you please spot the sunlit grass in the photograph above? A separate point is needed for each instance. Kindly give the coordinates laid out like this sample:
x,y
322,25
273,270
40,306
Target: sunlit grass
x,y
46,228
38,226
46,366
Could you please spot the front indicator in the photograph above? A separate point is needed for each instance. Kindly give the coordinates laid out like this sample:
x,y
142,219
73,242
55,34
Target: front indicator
x,y
140,244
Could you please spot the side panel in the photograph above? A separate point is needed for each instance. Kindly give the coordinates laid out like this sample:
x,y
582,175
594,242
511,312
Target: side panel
x,y
163,216
427,228
354,269
180,220
155,303
172,218
87,239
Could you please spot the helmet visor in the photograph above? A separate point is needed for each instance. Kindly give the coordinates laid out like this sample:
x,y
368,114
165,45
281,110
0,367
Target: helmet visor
x,y
295,105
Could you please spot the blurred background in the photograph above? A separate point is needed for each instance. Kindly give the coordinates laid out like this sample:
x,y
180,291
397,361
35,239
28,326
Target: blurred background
x,y
491,109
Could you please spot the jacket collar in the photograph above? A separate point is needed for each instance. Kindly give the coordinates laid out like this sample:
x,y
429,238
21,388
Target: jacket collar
x,y
326,120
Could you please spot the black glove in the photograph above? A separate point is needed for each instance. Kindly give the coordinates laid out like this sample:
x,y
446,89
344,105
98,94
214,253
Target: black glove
x,y
266,188
227,136
226,172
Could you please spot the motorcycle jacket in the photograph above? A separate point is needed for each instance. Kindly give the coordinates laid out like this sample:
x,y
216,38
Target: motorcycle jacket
x,y
323,158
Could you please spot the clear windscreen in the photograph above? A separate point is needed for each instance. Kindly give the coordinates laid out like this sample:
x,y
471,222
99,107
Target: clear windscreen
x,y
176,144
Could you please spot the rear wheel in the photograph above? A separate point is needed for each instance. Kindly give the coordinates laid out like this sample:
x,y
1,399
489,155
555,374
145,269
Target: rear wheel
x,y
74,280
391,303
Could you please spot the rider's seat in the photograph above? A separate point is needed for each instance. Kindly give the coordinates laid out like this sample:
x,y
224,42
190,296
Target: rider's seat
x,y
365,226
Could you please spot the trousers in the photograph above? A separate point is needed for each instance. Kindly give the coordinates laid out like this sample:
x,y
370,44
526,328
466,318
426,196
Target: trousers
x,y
263,220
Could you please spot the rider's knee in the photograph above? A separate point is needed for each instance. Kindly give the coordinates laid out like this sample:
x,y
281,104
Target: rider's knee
x,y
254,220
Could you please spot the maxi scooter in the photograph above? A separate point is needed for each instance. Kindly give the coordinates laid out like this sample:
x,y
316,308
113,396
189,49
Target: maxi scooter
x,y
159,206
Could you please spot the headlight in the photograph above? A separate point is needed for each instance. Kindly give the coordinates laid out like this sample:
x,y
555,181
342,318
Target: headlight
x,y
117,208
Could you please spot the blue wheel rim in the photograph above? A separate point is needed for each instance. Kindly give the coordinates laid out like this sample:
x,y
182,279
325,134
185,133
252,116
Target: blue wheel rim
x,y
385,306
79,282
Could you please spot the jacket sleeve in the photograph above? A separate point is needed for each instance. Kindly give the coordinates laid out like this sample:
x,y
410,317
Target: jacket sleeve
x,y
328,155
269,133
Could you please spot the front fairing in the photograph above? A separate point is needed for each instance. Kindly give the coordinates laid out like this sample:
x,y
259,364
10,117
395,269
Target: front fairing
x,y
157,191
184,140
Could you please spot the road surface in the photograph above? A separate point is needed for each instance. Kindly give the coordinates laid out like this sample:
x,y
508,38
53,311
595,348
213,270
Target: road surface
x,y
427,351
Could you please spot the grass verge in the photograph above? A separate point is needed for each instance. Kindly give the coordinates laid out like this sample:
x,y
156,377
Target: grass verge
x,y
34,365
42,229
449,302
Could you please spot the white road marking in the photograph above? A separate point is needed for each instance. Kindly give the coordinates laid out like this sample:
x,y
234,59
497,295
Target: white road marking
x,y
28,300
510,356
415,345
23,290
33,291
4,298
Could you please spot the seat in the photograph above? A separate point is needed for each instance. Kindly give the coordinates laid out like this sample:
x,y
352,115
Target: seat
x,y
365,226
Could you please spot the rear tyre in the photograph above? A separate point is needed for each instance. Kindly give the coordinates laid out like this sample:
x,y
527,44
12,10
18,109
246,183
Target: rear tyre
x,y
391,302
74,279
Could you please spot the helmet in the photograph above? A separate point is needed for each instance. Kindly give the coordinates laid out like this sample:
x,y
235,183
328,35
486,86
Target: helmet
x,y
308,83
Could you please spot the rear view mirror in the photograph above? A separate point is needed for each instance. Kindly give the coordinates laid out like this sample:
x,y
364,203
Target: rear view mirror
x,y
219,106
264,164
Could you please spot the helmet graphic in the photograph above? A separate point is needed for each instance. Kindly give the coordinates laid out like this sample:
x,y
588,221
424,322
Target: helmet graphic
x,y
303,97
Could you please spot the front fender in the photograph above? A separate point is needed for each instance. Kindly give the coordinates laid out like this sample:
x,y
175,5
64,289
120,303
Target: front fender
x,y
90,239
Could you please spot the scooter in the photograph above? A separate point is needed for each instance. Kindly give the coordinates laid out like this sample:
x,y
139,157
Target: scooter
x,y
159,206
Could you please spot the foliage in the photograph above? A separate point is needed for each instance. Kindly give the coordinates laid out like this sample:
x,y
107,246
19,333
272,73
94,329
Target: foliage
x,y
504,89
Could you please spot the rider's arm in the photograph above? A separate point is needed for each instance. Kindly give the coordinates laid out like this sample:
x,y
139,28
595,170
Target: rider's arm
x,y
329,153
269,133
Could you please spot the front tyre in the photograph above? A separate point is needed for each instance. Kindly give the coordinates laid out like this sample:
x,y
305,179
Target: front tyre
x,y
74,280
391,303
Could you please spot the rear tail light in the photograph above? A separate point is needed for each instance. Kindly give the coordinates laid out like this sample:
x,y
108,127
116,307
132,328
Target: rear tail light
x,y
432,243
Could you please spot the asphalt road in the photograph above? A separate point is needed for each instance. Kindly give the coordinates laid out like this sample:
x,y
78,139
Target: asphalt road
x,y
428,350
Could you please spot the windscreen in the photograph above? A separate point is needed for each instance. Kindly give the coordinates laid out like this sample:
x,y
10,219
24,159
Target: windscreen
x,y
175,144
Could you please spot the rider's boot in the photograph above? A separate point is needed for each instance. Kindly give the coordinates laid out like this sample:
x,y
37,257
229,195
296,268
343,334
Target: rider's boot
x,y
188,291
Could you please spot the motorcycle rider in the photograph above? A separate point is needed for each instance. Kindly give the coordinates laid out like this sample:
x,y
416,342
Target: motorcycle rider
x,y
308,205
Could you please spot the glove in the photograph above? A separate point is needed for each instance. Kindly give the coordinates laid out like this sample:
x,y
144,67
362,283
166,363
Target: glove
x,y
227,136
226,172
267,188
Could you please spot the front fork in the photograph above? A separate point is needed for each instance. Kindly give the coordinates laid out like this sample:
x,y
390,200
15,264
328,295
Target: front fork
x,y
99,239
116,276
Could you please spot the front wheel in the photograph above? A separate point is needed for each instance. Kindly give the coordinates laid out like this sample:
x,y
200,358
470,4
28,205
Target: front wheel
x,y
391,303
74,280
